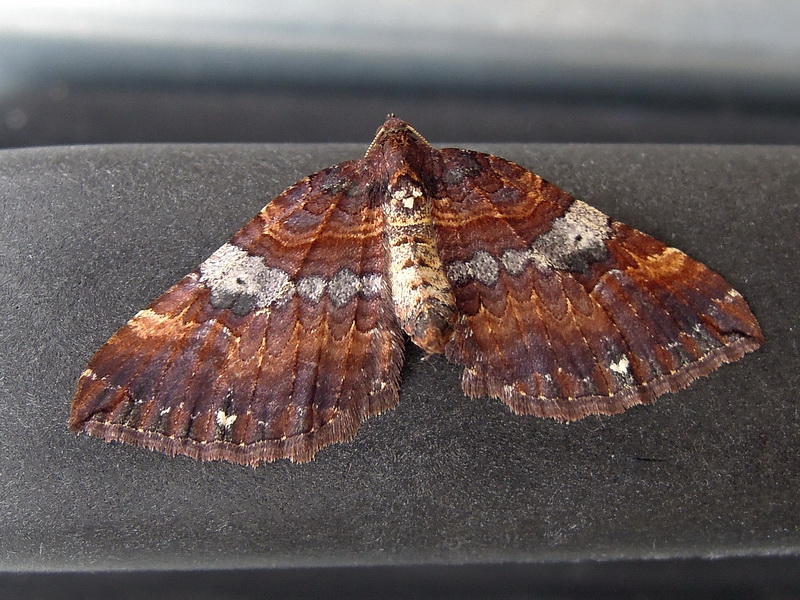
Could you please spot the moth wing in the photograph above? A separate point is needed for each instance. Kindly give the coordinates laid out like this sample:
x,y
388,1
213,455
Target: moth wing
x,y
281,343
565,312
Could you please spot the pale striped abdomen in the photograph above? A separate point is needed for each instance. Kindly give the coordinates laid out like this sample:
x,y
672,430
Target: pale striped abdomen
x,y
422,296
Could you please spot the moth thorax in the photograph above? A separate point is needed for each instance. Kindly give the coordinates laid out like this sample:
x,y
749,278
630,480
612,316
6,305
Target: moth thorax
x,y
406,200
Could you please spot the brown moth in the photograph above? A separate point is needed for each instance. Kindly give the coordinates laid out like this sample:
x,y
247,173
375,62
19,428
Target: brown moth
x,y
290,335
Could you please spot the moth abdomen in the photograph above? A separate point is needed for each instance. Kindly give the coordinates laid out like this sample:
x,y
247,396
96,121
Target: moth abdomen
x,y
423,298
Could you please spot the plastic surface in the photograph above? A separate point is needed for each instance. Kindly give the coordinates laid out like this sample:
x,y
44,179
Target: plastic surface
x,y
93,234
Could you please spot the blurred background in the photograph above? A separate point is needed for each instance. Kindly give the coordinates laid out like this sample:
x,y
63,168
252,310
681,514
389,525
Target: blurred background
x,y
704,71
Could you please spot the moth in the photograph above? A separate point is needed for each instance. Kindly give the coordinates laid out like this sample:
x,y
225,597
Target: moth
x,y
291,334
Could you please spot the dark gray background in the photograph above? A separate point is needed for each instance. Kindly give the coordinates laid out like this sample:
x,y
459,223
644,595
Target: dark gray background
x,y
92,234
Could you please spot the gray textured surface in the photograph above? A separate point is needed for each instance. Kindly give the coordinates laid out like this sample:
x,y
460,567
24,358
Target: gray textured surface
x,y
92,234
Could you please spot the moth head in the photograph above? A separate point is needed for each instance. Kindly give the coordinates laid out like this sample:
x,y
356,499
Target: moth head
x,y
398,132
